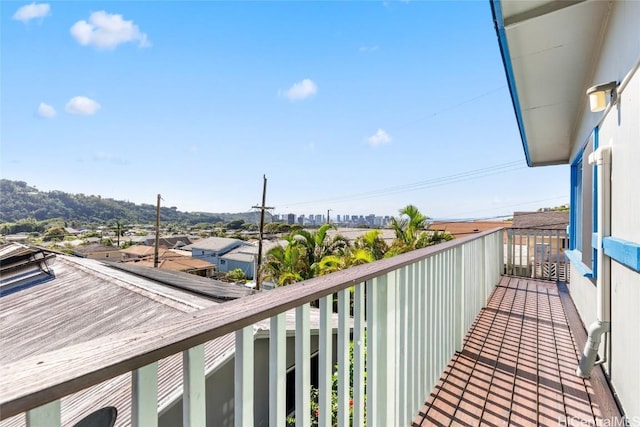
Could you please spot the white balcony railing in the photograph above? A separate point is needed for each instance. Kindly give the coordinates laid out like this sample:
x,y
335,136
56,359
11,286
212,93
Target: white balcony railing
x,y
418,308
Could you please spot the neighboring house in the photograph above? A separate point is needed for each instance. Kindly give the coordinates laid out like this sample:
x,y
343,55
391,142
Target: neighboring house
x,y
22,237
139,252
535,246
558,57
98,252
212,248
78,300
171,261
244,257
464,228
167,242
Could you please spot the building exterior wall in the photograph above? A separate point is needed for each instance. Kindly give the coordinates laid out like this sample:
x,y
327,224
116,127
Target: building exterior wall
x,y
230,265
621,129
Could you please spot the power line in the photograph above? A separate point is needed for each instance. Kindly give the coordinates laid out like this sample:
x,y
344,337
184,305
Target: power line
x,y
430,183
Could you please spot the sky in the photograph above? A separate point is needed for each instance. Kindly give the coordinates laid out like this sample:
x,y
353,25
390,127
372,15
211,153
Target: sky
x,y
357,107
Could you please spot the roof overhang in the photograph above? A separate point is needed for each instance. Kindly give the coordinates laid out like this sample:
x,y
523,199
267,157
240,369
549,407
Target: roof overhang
x,y
549,49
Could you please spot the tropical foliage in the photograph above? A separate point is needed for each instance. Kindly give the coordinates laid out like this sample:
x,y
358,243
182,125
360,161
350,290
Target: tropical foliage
x,y
309,254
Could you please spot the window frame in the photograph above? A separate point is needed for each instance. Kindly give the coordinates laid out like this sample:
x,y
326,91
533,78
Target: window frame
x,y
584,197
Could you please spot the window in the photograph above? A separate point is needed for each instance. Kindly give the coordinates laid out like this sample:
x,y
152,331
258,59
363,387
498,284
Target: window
x,y
223,261
582,224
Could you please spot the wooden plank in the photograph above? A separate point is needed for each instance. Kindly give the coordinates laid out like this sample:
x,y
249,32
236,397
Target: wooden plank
x,y
65,371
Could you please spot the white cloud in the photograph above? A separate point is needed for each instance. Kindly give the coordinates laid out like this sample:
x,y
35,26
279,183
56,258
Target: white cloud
x,y
301,90
106,31
82,105
32,11
46,111
379,138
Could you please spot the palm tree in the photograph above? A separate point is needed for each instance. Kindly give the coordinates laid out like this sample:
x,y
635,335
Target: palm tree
x,y
350,258
412,232
373,242
284,264
118,227
318,245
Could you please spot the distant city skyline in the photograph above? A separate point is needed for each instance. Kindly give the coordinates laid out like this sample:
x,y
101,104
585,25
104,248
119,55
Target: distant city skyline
x,y
357,107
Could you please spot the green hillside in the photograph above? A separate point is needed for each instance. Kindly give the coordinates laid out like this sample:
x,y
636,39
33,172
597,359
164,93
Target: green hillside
x,y
18,201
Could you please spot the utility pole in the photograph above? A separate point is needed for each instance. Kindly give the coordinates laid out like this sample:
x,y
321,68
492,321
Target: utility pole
x,y
157,245
262,209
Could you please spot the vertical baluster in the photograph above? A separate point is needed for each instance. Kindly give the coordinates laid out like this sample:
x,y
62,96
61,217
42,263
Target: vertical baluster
x,y
144,395
325,370
47,415
381,328
410,378
359,348
243,407
303,367
277,371
401,348
343,358
459,297
194,400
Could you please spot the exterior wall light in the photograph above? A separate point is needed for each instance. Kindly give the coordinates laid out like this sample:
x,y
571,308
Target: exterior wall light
x,y
598,95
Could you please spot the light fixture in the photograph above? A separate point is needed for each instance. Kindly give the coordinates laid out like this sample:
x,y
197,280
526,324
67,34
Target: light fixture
x,y
598,95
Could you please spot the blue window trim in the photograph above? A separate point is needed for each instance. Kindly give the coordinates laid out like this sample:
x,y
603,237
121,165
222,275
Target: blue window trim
x,y
594,204
575,258
574,254
623,251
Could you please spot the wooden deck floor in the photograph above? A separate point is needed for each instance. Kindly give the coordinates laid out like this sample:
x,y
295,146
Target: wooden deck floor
x,y
517,367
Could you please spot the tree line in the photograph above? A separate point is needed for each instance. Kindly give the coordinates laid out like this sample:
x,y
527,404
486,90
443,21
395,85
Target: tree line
x,y
21,201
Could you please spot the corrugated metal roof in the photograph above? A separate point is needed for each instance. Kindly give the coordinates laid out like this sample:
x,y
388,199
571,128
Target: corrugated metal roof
x,y
201,285
88,299
215,244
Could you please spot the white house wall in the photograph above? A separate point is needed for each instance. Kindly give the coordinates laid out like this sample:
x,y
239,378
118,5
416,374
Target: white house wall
x,y
621,130
619,52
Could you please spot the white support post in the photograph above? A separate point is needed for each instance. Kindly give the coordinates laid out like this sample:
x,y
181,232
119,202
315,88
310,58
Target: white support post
x,y
325,362
243,406
303,367
277,371
412,362
194,410
422,327
47,415
402,354
381,329
343,358
144,395
359,348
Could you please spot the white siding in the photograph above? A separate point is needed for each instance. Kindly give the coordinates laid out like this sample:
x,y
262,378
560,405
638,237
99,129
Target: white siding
x,y
621,128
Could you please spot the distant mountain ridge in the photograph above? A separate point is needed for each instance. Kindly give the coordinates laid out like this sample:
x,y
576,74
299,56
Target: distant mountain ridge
x,y
18,200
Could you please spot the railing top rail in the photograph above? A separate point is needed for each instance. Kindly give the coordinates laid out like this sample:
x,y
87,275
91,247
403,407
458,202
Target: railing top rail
x,y
39,379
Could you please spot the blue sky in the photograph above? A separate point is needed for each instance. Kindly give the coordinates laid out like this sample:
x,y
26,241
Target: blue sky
x,y
358,107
